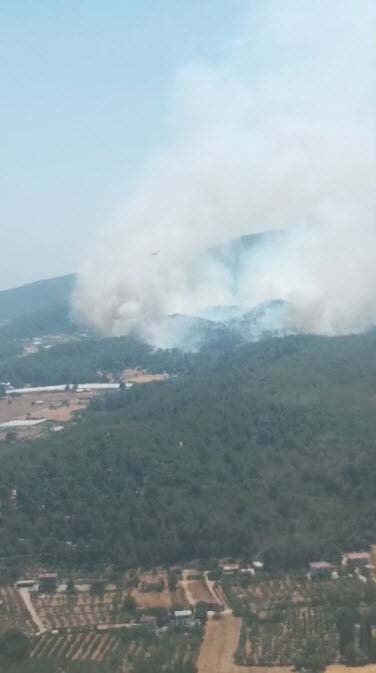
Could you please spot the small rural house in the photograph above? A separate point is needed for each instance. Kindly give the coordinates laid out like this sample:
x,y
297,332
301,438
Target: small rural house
x,y
231,568
356,559
320,569
182,614
184,619
48,582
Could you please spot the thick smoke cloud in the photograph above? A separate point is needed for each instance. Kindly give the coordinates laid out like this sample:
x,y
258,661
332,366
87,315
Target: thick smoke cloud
x,y
279,135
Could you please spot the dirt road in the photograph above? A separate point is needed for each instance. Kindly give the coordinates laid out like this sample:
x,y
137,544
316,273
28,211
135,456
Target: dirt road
x,y
220,643
185,585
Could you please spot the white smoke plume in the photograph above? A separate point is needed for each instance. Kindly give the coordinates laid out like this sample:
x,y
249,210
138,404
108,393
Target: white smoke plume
x,y
279,135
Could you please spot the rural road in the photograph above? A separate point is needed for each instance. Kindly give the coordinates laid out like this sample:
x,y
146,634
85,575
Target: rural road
x,y
185,584
219,646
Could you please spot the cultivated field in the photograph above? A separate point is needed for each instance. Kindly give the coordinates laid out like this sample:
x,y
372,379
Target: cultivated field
x,y
281,615
169,649
13,613
125,647
271,594
77,646
273,643
56,407
82,608
59,406
62,610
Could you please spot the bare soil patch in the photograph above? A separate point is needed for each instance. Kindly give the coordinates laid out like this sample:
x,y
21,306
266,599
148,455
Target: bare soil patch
x,y
199,591
141,376
179,598
219,645
152,599
57,407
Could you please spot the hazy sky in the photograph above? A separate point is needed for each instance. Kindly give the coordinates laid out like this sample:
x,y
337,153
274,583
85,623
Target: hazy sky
x,y
274,129
85,94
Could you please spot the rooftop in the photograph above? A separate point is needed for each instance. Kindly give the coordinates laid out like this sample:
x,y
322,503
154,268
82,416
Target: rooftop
x,y
21,423
356,555
320,565
183,613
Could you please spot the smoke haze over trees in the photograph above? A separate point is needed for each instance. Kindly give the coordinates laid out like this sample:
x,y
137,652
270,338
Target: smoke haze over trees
x,y
279,135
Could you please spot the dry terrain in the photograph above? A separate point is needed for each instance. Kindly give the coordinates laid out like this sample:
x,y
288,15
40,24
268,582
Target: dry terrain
x,y
62,610
179,598
141,376
56,407
219,645
199,591
152,599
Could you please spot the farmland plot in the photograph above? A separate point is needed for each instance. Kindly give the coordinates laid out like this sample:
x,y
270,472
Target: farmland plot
x,y
83,608
199,591
61,610
282,615
168,650
13,613
127,646
147,598
92,646
275,643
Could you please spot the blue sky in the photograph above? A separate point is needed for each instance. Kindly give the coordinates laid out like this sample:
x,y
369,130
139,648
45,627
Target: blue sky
x,y
85,94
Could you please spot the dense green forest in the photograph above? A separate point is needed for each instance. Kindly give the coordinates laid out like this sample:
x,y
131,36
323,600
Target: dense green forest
x,y
268,451
91,359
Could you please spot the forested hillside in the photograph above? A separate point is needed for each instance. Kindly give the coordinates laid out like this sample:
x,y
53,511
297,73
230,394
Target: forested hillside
x,y
270,450
39,296
55,320
90,359
31,311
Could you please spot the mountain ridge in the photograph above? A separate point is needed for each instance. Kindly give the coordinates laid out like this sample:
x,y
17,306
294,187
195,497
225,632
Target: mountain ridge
x,y
36,296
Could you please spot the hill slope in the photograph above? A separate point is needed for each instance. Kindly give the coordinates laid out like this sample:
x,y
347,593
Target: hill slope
x,y
270,451
39,296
